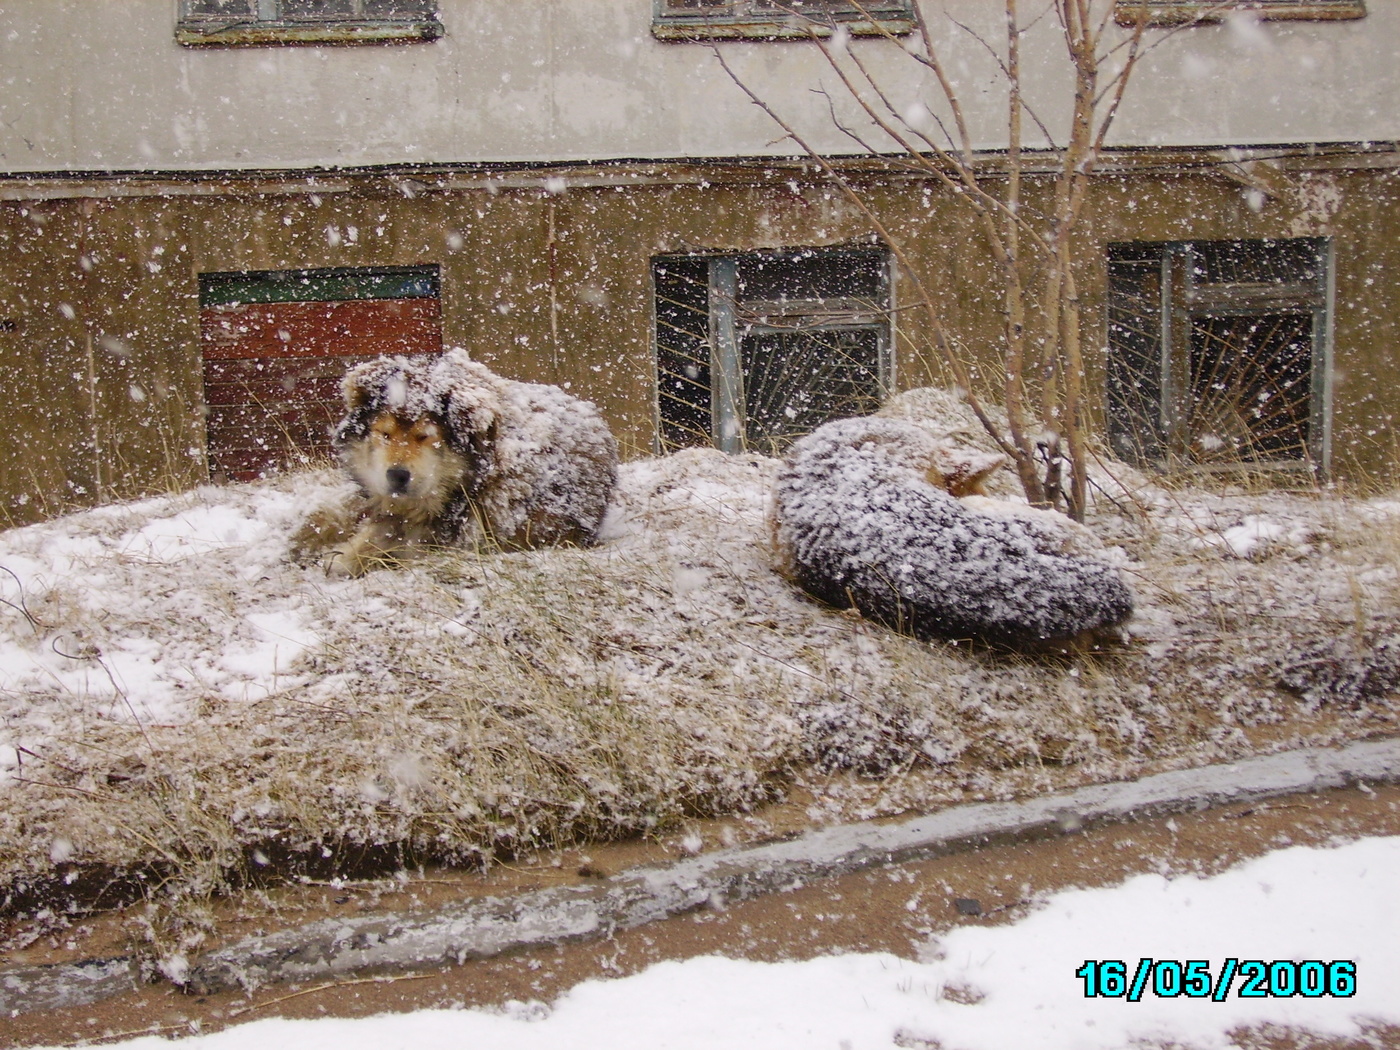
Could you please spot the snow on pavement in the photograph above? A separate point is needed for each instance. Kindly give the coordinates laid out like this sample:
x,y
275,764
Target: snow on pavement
x,y
978,988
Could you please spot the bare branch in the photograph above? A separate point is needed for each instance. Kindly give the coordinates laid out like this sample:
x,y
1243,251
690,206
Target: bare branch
x,y
968,180
940,338
1001,64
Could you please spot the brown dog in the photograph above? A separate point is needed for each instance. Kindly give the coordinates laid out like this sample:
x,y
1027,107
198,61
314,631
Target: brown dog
x,y
447,453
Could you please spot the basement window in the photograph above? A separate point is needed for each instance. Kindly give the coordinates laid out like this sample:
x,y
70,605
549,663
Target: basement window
x,y
1186,12
755,350
252,23
1219,354
775,19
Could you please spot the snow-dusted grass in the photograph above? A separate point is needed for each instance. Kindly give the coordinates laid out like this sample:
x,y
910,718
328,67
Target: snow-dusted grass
x,y
184,709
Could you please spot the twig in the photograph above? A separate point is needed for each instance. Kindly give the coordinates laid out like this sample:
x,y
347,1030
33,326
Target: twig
x,y
20,606
329,985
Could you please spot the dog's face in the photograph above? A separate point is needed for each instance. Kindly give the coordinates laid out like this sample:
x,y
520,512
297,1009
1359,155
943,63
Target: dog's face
x,y
412,441
399,458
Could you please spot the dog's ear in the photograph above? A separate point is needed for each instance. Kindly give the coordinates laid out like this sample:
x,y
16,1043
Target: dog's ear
x,y
359,387
966,470
472,424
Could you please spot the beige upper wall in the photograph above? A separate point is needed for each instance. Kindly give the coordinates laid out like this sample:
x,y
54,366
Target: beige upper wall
x,y
101,85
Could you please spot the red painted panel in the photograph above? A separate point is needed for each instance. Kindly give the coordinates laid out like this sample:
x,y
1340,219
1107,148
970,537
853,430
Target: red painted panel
x,y
272,373
356,328
265,381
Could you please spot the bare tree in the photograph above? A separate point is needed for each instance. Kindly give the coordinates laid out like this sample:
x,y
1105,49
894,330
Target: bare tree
x,y
1032,247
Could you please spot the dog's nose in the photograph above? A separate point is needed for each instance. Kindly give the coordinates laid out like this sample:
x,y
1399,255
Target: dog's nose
x,y
398,479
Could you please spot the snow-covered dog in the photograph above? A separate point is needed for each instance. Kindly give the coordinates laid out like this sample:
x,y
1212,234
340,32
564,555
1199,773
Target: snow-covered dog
x,y
447,452
862,517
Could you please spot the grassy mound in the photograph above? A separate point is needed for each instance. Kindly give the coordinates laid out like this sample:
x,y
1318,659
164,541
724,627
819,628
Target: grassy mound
x,y
184,711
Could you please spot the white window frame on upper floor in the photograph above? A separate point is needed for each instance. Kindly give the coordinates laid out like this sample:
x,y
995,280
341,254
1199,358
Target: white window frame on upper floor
x,y
255,23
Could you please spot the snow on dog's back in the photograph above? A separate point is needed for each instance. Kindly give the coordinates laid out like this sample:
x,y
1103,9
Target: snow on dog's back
x,y
859,520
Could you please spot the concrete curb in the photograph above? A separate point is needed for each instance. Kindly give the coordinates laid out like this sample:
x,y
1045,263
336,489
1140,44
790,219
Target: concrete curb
x,y
487,926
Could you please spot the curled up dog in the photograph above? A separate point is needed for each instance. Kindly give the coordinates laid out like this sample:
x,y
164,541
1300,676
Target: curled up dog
x,y
862,517
447,453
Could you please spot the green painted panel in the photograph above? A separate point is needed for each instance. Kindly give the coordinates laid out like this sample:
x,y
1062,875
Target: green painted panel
x,y
316,286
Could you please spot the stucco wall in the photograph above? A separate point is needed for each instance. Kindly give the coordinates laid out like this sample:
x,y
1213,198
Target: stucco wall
x,y
102,85
99,353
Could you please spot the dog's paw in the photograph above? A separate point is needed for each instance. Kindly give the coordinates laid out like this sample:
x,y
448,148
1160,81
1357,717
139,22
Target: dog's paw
x,y
324,528
342,564
365,551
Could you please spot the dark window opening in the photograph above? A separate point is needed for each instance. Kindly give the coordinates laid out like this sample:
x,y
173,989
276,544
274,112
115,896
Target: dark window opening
x,y
755,350
1218,354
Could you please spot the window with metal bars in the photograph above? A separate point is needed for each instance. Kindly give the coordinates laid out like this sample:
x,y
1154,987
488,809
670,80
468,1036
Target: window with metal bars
x,y
771,19
1218,354
755,350
1185,12
228,23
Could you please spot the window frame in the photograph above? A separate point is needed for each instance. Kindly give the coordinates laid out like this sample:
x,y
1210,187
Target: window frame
x,y
747,20
269,28
1210,12
1150,428
732,319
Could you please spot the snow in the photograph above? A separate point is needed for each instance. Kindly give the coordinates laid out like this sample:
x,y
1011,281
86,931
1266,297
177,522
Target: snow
x,y
976,988
151,605
1256,535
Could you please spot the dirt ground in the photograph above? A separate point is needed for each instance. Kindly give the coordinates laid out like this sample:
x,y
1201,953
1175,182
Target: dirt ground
x,y
893,909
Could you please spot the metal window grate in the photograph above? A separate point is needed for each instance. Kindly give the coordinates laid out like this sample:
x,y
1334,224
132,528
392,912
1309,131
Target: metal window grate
x,y
1218,354
754,350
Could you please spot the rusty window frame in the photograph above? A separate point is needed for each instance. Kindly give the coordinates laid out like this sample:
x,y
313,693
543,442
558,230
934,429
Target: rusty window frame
x,y
1206,12
778,19
254,23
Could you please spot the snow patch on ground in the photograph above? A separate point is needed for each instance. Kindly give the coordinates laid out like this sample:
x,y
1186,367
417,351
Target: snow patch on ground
x,y
136,612
977,988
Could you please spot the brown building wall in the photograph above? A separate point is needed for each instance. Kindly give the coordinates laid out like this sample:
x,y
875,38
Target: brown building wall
x,y
99,311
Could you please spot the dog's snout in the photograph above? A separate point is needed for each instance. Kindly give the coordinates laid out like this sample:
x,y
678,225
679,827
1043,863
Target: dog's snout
x,y
398,479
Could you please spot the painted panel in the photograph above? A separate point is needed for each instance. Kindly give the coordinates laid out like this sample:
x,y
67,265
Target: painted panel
x,y
272,373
